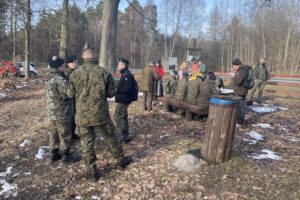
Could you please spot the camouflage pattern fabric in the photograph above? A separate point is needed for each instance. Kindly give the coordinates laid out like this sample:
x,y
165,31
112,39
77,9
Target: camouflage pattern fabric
x,y
91,85
58,104
60,135
181,89
121,116
170,87
87,139
192,91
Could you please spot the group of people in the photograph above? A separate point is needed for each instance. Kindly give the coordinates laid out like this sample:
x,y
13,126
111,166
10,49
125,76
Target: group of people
x,y
82,92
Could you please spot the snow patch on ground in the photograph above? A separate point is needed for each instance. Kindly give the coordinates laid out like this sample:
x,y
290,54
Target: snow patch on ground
x,y
186,163
140,94
41,153
293,139
8,171
78,197
255,137
8,189
27,173
3,94
263,125
267,154
25,143
266,108
96,198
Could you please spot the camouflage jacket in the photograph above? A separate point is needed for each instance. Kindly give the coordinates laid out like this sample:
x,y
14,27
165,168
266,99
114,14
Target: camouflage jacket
x,y
58,104
91,85
261,72
206,90
170,87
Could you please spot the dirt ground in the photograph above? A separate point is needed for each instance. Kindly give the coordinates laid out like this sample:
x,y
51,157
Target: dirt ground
x,y
160,138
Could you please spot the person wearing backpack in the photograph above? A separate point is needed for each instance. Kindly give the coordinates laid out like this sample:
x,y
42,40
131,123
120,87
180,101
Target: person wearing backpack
x,y
127,92
261,76
241,83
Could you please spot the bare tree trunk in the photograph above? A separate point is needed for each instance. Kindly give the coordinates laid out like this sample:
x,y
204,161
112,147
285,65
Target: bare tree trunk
x,y
14,29
294,62
27,39
107,57
286,51
64,31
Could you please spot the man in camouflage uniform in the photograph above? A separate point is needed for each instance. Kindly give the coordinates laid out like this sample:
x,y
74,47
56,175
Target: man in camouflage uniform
x,y
124,97
261,76
71,65
58,106
91,85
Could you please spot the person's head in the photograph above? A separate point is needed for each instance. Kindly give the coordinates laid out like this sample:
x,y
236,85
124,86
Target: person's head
x,y
57,64
72,62
236,62
122,64
88,54
199,61
263,60
211,76
157,62
185,65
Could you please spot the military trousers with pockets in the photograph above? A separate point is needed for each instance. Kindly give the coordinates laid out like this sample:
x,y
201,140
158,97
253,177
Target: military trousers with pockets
x,y
121,116
60,135
260,85
147,100
87,138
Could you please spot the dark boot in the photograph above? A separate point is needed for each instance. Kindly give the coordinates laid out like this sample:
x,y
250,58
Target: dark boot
x,y
93,173
125,136
74,136
68,158
55,156
125,161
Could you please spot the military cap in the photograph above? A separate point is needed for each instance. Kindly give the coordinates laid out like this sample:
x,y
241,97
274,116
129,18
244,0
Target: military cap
x,y
123,60
71,58
56,63
236,62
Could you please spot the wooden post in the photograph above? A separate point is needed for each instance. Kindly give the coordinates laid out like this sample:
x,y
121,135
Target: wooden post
x,y
220,129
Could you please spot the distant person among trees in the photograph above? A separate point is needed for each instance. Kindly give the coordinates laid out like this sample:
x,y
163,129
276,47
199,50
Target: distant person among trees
x,y
149,75
159,68
158,83
261,76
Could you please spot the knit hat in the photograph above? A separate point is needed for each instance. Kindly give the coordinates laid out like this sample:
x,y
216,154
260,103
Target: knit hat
x,y
71,58
123,60
56,63
157,61
236,62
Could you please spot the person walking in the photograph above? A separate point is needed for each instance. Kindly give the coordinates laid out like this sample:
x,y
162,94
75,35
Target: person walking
x,y
124,97
261,77
91,85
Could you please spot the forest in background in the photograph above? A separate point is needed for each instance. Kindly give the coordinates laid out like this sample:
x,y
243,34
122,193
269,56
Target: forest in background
x,y
224,30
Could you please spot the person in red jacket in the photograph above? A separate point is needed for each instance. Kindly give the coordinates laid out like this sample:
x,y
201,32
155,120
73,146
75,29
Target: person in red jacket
x,y
159,68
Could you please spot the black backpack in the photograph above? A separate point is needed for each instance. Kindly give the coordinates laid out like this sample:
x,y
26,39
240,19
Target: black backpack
x,y
135,93
248,83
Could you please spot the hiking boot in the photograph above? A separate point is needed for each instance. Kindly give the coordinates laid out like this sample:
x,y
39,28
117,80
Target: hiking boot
x,y
93,173
125,137
125,161
68,158
74,136
55,156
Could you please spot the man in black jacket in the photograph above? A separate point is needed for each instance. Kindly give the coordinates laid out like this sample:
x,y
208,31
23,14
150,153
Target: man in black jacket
x,y
124,96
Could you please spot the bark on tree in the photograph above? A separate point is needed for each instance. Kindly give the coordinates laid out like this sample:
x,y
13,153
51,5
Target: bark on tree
x,y
107,57
64,31
27,39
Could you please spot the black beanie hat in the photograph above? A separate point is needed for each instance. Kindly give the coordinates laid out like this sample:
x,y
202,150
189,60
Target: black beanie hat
x,y
123,60
71,58
56,63
236,62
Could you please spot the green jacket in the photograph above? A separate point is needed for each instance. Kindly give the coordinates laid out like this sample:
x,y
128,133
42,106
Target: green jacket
x,y
148,77
261,72
206,90
238,79
58,104
91,85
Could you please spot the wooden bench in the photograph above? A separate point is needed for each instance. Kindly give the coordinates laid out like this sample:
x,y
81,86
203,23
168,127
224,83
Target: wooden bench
x,y
189,108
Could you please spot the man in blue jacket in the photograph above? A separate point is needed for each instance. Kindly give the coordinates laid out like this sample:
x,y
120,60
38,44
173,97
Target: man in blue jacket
x,y
124,96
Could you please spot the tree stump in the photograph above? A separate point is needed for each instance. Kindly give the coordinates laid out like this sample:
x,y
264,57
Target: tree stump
x,y
220,128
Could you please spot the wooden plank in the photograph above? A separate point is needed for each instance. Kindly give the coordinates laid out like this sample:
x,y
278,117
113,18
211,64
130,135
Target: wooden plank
x,y
283,92
288,84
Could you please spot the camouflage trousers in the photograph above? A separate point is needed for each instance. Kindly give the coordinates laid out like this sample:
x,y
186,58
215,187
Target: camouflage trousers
x,y
60,135
147,100
241,111
87,138
121,116
260,85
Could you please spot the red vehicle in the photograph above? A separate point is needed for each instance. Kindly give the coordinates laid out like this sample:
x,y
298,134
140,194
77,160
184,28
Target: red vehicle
x,y
8,69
